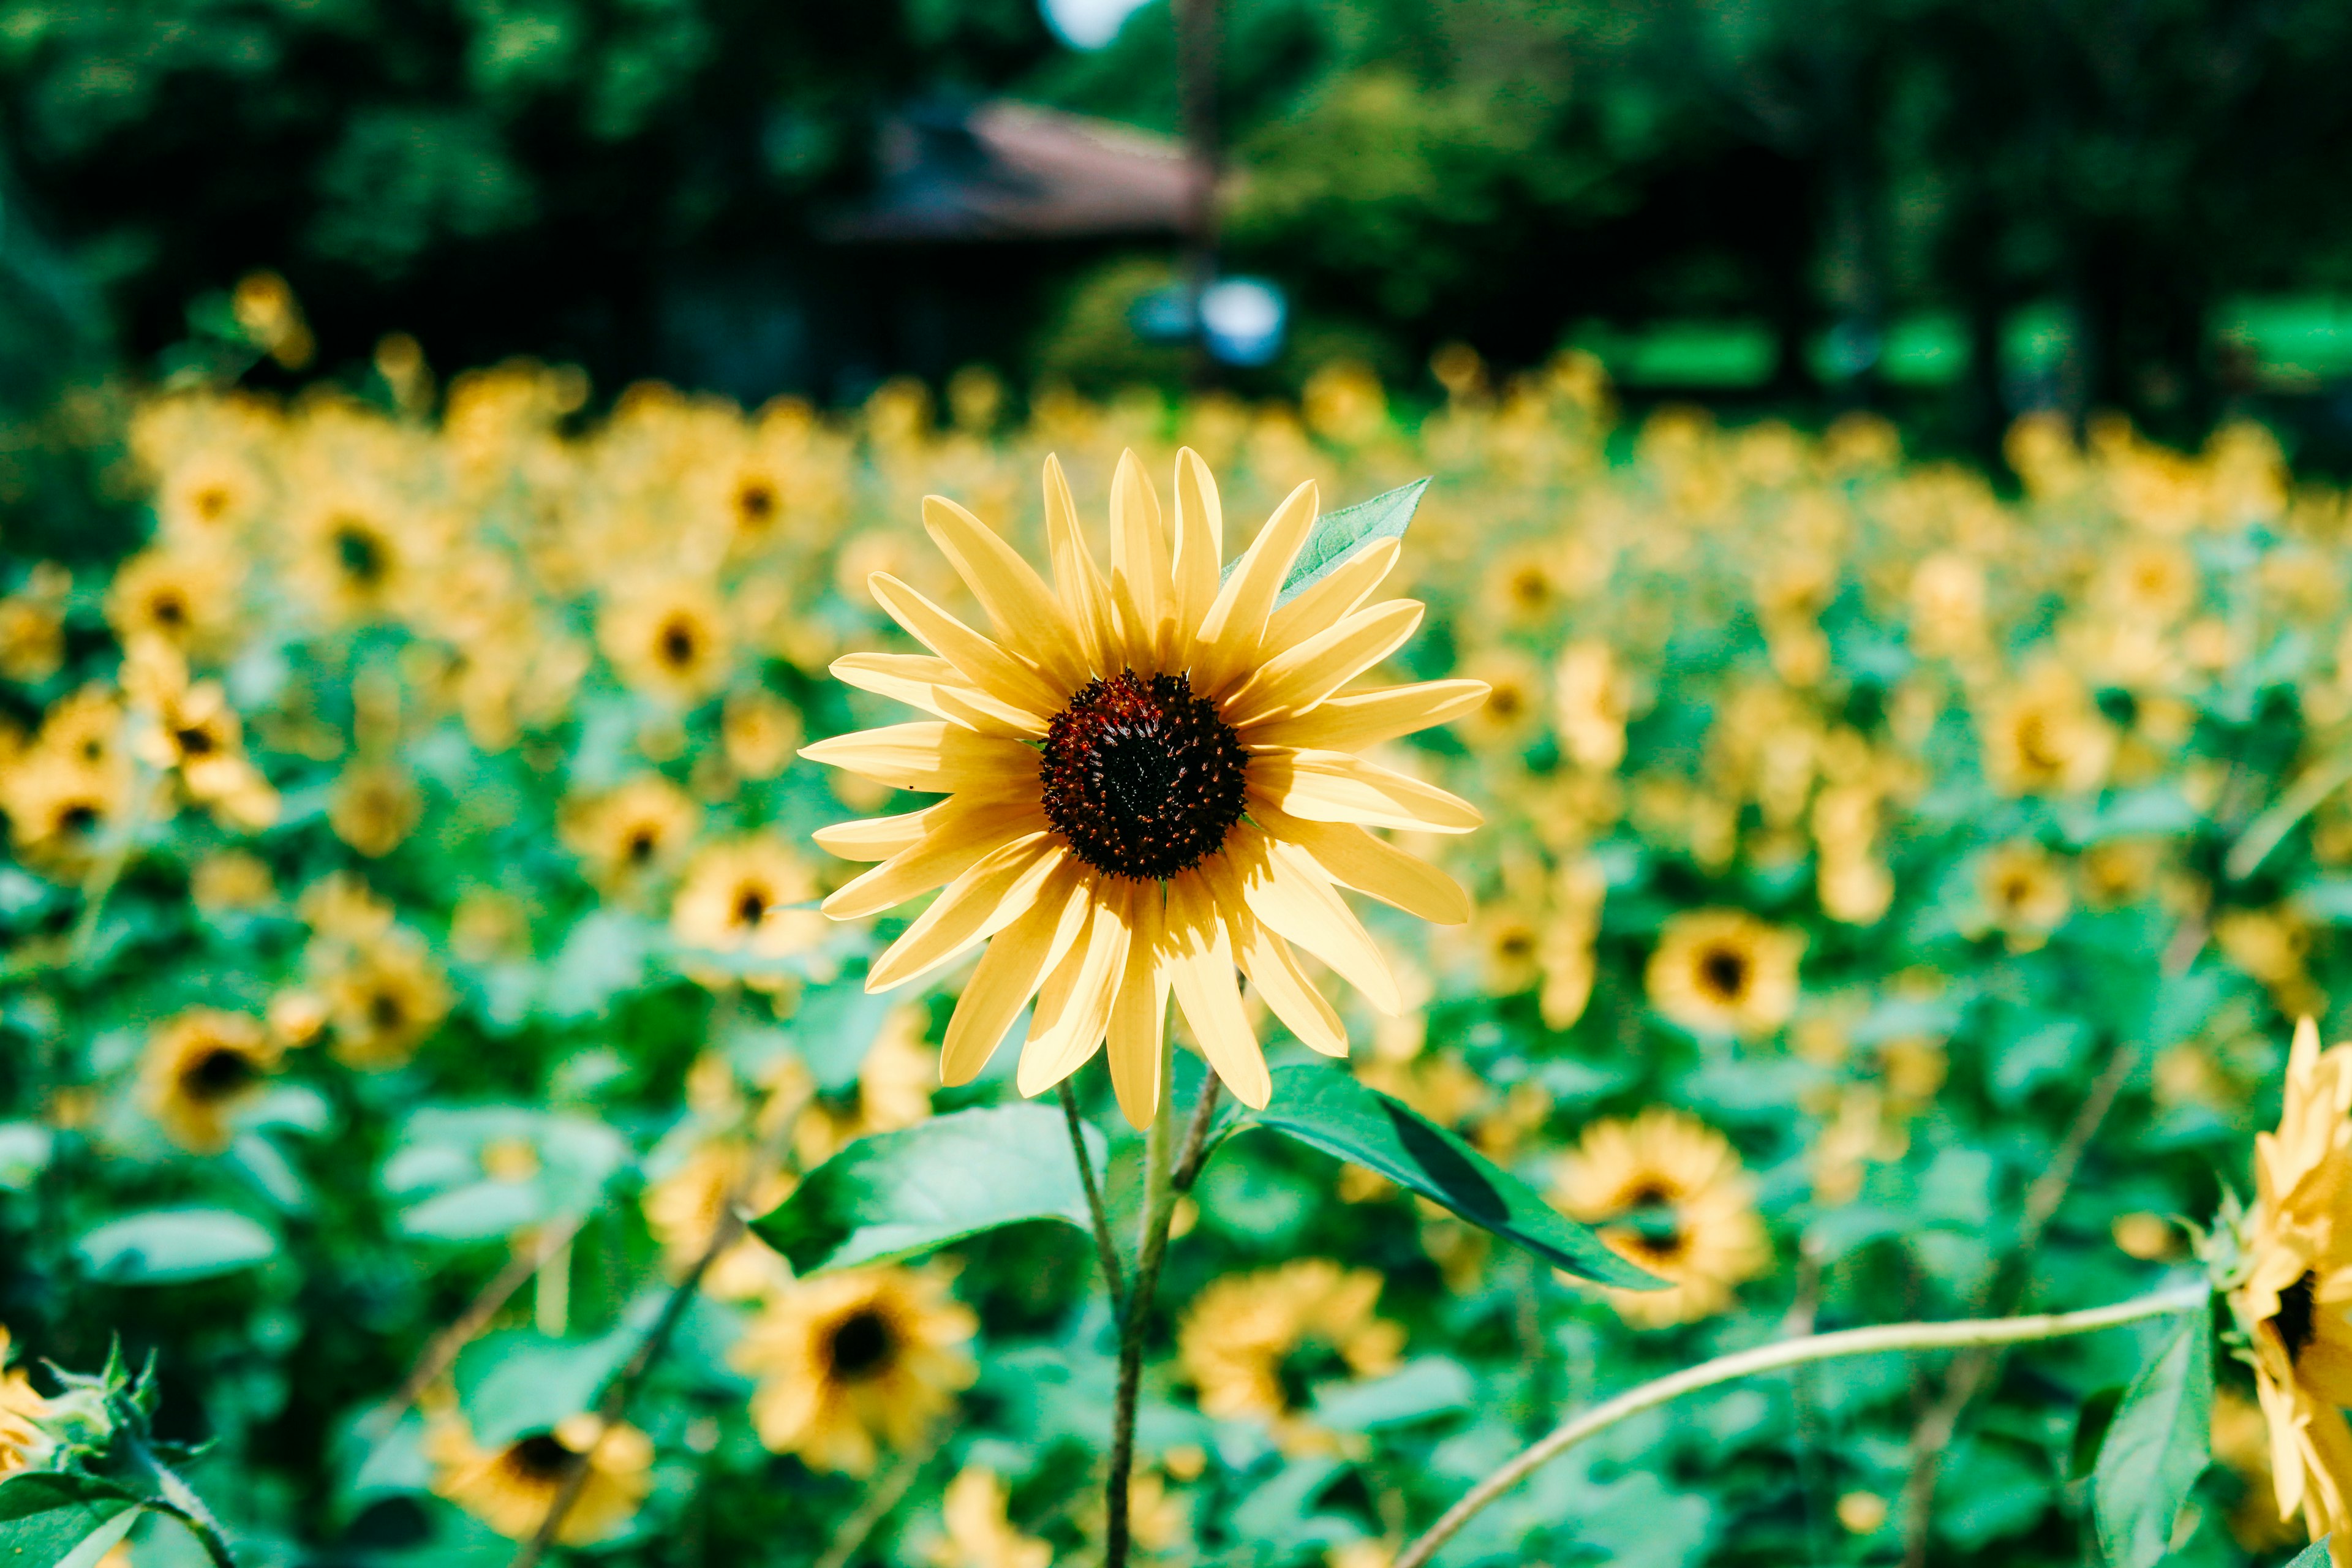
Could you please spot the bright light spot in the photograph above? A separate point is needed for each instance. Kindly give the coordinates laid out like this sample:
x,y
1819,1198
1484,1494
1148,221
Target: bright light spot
x,y
1088,24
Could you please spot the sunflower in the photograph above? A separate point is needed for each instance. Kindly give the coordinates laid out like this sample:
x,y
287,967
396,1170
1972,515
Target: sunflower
x,y
201,1066
185,597
1589,702
383,1000
509,1488
188,727
358,554
58,809
685,1206
2045,736
2025,893
1724,972
373,808
979,1534
2293,1296
669,640
32,638
231,880
1151,780
748,896
21,1440
1512,714
1668,1193
630,832
1255,1344
852,1360
761,731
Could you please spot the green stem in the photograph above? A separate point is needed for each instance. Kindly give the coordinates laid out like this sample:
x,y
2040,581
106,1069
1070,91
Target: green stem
x,y
1792,1352
1106,1249
177,1498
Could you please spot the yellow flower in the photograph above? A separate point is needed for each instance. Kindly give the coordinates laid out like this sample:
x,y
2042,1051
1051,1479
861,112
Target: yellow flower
x,y
375,806
740,898
1513,711
979,1534
510,1489
849,1361
59,808
683,1208
200,1069
761,731
2045,736
669,640
383,1000
2025,893
229,880
32,638
635,830
1668,1193
2293,1300
1251,1342
185,597
189,727
1724,972
2241,1443
1590,702
1151,779
20,1440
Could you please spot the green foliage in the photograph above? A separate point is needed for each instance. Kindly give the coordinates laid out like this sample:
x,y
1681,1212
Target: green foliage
x,y
2156,1447
1339,534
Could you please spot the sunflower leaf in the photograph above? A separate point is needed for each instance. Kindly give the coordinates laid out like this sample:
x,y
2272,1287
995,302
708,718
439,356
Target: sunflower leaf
x,y
52,1517
1339,534
169,1246
1325,1108
2156,1447
897,1194
2314,1556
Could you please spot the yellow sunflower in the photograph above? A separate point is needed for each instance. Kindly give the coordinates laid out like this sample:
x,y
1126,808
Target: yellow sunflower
x,y
1254,1344
635,830
2293,1299
384,1000
669,639
509,1488
21,1441
1668,1193
375,806
749,897
200,1067
852,1361
684,1207
2025,894
1151,780
979,1534
185,597
1724,972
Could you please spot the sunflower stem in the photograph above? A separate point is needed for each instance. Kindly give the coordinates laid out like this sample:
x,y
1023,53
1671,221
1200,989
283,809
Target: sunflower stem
x,y
1771,1357
1106,1248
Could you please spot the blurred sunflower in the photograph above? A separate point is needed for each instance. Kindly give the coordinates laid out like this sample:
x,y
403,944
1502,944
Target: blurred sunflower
x,y
21,1441
852,1361
1151,780
2045,736
1255,1345
2292,1298
184,597
33,627
200,1069
631,832
2025,895
759,732
230,881
979,1534
384,1000
683,1207
750,897
1668,1193
509,1488
669,640
1725,972
374,807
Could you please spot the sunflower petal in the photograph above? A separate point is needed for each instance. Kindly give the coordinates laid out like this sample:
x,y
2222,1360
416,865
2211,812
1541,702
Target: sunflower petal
x,y
961,837
1078,583
1139,1015
1358,718
1139,558
924,755
1230,634
975,906
1008,974
1274,969
1201,971
1296,678
1335,597
1074,1006
1355,858
1019,604
874,837
979,660
1333,787
1289,891
1199,541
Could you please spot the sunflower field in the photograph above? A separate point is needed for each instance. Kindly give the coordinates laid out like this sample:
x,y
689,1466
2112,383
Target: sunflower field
x,y
480,1082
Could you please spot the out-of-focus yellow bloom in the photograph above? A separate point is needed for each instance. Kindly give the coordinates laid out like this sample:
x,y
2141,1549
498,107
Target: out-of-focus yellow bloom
x,y
2044,736
1725,972
1668,1193
670,639
632,832
510,1489
979,1535
385,998
1253,1343
2025,893
21,1406
201,1067
684,1208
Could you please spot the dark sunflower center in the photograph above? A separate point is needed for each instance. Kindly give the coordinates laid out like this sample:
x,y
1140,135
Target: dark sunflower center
x,y
194,742
77,818
750,906
218,1074
641,846
861,1345
2295,1314
678,644
170,609
541,1458
360,554
757,503
1305,1369
1142,777
1725,973
386,1011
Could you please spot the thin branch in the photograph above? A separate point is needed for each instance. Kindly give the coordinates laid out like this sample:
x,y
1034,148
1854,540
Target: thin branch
x,y
1787,1353
875,1507
1106,1249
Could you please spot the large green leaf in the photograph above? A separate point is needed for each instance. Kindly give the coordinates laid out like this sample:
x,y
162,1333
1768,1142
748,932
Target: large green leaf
x,y
2157,1446
165,1246
2314,1556
1326,1107
47,1518
896,1193
1339,534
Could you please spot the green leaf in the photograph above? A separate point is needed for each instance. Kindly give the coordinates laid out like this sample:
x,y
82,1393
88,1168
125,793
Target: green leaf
x,y
2314,1556
1326,1109
516,1382
2157,1445
1339,534
2090,1431
897,1194
46,1517
165,1247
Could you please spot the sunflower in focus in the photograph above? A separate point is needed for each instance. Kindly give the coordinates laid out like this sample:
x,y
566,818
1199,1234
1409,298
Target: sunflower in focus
x,y
510,1488
1151,779
1724,972
1666,1192
201,1067
20,1408
1256,1344
853,1360
2292,1298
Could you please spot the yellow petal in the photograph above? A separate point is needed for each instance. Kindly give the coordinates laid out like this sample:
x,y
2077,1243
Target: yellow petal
x,y
1298,678
1226,646
1354,857
1355,720
1139,559
923,680
875,837
924,755
1085,597
1019,604
1336,596
1008,973
1200,540
1273,968
1289,892
981,661
1333,787
975,907
1201,973
1074,1006
963,835
1139,1015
